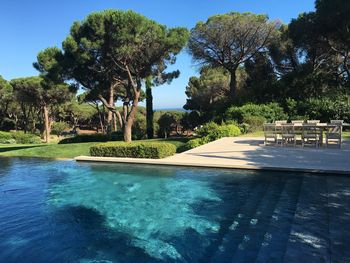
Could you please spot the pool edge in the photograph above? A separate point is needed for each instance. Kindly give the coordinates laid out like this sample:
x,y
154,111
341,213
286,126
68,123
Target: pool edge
x,y
164,162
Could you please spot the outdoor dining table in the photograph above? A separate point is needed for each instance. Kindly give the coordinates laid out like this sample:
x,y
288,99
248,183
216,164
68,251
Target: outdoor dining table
x,y
321,126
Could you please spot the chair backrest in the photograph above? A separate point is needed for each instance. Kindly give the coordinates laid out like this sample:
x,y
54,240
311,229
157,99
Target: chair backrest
x,y
287,128
335,128
337,122
298,122
310,129
313,121
281,122
269,128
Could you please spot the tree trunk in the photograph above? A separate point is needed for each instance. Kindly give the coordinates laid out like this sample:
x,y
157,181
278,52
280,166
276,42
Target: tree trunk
x,y
130,117
233,84
127,132
46,124
110,113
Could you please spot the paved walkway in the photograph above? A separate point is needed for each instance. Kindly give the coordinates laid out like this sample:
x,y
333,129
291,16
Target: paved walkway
x,y
250,153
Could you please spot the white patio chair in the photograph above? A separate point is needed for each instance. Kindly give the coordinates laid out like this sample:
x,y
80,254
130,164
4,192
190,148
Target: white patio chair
x,y
341,122
333,134
310,134
270,133
288,134
313,121
280,122
298,121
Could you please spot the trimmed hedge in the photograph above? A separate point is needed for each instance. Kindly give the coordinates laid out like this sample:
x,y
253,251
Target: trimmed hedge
x,y
211,132
154,150
93,138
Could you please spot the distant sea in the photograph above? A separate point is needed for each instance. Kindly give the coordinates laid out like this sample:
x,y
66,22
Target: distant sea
x,y
170,109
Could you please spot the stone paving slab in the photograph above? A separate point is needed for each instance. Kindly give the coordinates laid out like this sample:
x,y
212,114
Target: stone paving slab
x,y
250,153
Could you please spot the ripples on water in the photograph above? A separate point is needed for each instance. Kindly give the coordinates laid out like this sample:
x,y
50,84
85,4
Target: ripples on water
x,y
61,211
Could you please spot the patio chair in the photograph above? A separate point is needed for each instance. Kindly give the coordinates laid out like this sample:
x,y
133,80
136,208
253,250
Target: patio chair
x,y
280,122
298,128
288,134
313,121
270,133
310,134
333,134
341,122
298,121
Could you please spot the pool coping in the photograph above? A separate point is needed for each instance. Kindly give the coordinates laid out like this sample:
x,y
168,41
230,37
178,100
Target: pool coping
x,y
165,162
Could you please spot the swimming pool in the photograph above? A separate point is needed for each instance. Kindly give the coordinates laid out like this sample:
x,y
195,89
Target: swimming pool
x,y
62,211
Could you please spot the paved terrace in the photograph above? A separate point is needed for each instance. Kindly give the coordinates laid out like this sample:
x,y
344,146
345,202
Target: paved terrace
x,y
250,153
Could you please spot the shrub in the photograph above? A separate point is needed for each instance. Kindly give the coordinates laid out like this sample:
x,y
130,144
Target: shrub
x,y
244,127
25,138
215,131
255,123
270,112
59,127
18,137
155,150
5,136
98,137
195,143
208,128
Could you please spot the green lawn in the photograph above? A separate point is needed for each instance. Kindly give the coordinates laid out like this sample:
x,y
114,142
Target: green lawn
x,y
63,150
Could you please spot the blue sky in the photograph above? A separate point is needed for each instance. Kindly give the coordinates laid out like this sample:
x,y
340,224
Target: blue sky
x,y
28,26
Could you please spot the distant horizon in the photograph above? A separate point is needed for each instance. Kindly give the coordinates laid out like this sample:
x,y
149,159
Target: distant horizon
x,y
32,26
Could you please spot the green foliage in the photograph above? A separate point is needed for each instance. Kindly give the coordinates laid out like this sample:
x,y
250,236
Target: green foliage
x,y
270,112
166,120
255,123
194,143
18,137
139,131
325,109
59,127
134,150
229,40
211,132
93,138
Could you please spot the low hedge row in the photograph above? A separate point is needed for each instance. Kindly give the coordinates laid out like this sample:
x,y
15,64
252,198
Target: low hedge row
x,y
153,150
93,138
211,132
19,137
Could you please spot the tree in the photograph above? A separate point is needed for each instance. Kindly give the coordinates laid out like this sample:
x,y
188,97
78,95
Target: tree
x,y
208,93
50,88
59,127
33,90
116,51
230,40
8,105
149,108
333,20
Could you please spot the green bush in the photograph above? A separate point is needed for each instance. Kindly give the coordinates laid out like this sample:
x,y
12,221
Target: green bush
x,y
324,109
154,150
256,123
195,143
115,136
244,127
59,127
5,136
271,112
25,138
18,137
215,131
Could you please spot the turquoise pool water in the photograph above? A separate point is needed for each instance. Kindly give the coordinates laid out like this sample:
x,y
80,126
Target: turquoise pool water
x,y
62,211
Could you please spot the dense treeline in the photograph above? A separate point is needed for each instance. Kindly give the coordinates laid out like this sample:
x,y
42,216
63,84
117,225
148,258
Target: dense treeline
x,y
304,66
251,68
